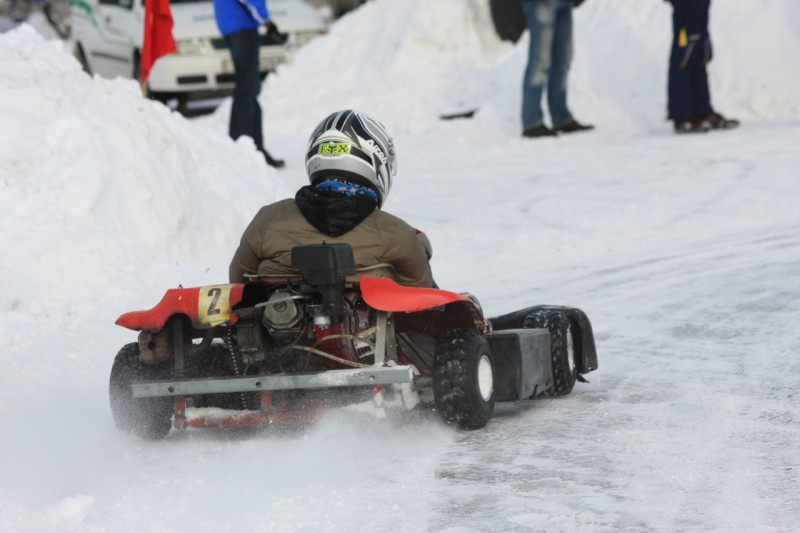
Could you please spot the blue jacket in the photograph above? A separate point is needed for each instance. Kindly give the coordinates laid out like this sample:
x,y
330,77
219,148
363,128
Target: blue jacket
x,y
238,15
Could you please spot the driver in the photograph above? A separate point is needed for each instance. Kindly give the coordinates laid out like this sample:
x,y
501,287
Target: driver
x,y
350,162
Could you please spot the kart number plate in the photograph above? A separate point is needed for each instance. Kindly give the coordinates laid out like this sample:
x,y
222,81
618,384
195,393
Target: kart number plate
x,y
214,304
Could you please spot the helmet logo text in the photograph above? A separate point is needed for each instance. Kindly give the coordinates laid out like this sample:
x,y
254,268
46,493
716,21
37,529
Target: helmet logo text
x,y
375,147
334,149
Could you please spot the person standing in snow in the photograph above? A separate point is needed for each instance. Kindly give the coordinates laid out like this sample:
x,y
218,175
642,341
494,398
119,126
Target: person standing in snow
x,y
549,56
688,95
350,161
238,21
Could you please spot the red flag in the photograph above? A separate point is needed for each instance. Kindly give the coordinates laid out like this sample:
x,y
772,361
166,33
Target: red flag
x,y
158,40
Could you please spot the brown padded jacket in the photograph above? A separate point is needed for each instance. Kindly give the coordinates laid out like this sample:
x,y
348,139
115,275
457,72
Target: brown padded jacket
x,y
381,238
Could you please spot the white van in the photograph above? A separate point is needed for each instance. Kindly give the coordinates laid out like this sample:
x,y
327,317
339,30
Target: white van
x,y
108,36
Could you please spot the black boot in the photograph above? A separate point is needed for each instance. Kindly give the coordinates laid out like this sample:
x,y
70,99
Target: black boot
x,y
690,126
573,126
715,121
538,131
271,161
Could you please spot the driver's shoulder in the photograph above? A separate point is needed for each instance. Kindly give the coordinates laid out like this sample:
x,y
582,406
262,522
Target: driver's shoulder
x,y
390,221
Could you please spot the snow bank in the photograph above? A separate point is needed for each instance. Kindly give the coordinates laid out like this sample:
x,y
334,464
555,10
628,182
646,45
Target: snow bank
x,y
87,160
403,61
408,61
101,191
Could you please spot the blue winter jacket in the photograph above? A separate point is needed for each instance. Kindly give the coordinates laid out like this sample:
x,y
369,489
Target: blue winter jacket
x,y
238,15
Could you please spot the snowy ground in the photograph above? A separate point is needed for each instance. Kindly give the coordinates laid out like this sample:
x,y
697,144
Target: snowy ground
x,y
684,252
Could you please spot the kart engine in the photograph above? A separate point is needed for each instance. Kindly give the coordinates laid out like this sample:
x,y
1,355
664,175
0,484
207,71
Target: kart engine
x,y
316,318
283,316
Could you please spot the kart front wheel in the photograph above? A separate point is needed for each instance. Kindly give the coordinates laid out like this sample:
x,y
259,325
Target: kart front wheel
x,y
562,349
463,378
147,418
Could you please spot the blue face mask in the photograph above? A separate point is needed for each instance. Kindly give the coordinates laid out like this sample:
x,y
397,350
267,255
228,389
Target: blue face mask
x,y
345,187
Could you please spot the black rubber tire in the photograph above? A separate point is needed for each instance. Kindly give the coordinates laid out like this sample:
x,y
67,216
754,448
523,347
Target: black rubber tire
x,y
19,10
137,67
80,55
147,418
463,392
59,23
562,348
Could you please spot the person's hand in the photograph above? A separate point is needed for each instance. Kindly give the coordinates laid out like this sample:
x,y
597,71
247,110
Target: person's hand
x,y
274,35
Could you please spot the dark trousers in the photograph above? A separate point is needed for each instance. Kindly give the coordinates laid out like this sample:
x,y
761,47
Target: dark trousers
x,y
245,111
688,95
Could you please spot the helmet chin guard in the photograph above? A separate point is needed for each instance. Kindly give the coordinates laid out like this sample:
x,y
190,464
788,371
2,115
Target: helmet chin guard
x,y
352,145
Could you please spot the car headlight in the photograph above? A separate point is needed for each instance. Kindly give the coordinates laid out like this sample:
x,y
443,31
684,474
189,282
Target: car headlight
x,y
194,46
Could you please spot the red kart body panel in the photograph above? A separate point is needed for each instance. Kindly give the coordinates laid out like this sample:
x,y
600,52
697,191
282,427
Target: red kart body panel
x,y
213,305
384,294
204,306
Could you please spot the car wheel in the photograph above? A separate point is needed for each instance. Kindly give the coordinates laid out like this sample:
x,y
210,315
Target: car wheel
x,y
58,22
137,67
463,378
562,349
80,55
147,418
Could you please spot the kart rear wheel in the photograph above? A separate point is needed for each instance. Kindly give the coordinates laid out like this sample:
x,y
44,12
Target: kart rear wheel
x,y
562,348
147,418
463,378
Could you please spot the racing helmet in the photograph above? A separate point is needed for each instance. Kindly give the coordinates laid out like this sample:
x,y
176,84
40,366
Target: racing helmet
x,y
352,145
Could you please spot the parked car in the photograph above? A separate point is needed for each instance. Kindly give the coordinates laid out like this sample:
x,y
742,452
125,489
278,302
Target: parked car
x,y
108,37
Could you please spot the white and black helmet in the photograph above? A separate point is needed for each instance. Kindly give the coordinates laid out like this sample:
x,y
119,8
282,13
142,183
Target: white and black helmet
x,y
352,145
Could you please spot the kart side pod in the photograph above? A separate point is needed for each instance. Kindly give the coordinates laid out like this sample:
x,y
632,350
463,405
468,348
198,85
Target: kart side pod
x,y
523,363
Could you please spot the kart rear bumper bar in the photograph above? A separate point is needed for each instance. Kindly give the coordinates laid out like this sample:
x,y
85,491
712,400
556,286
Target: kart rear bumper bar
x,y
359,377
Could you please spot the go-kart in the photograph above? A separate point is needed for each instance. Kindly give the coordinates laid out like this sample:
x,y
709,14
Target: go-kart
x,y
286,351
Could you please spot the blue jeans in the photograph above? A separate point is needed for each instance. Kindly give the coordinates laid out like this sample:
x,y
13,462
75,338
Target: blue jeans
x,y
245,111
549,57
